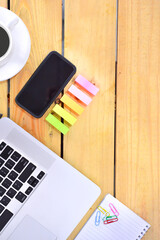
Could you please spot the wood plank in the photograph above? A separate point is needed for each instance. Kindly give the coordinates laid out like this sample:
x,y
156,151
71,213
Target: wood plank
x,y
4,3
43,19
138,110
3,85
90,37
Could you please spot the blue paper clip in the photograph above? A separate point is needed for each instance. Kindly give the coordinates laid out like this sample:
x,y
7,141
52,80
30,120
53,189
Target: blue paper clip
x,y
98,218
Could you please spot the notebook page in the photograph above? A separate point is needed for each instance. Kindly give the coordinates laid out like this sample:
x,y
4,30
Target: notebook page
x,y
112,220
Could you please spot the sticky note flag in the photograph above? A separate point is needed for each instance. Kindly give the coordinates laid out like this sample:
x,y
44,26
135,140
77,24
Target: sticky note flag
x,y
57,124
72,104
79,94
83,82
64,114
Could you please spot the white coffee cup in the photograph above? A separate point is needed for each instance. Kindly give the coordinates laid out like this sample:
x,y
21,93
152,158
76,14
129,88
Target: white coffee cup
x,y
8,29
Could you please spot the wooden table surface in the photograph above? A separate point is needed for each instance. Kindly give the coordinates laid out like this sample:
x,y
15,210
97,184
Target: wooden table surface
x,y
116,140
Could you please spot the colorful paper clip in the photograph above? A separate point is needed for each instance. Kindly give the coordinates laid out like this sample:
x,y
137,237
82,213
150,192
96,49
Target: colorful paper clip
x,y
108,217
104,211
113,209
98,218
111,219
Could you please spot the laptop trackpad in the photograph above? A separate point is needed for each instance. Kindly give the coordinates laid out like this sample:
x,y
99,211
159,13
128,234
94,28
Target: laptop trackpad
x,y
30,229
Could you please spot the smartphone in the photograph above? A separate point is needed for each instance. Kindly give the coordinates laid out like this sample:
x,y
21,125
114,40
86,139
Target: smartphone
x,y
45,84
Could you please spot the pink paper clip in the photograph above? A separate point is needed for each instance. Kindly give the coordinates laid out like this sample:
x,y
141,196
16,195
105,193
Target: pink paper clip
x,y
87,85
113,209
108,221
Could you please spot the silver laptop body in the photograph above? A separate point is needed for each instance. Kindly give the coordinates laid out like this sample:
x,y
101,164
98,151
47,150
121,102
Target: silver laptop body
x,y
39,190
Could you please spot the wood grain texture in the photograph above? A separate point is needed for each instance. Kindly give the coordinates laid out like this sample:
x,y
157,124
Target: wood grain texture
x,y
138,110
4,3
43,19
90,32
3,85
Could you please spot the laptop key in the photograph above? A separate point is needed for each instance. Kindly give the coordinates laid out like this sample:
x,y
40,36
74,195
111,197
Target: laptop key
x,y
9,164
21,165
27,172
6,152
2,191
4,218
16,156
1,208
40,175
6,183
17,185
1,162
29,190
33,181
15,170
21,197
4,171
1,179
13,175
5,200
11,193
2,145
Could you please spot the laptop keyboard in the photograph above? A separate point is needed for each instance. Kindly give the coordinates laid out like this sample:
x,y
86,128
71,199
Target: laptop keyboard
x,y
18,179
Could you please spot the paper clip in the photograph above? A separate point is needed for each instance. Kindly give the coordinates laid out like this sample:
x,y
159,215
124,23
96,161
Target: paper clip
x,y
98,218
108,217
113,209
111,220
104,211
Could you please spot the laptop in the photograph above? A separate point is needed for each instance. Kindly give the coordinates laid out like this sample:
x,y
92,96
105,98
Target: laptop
x,y
41,195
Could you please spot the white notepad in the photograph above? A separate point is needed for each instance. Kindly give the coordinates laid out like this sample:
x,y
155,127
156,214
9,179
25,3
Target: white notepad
x,y
112,220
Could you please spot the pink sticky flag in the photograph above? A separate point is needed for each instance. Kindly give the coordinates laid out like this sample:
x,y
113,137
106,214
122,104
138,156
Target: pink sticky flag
x,y
87,85
79,94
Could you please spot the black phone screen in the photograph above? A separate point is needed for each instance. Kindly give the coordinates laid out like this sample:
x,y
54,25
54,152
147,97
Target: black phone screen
x,y
45,84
